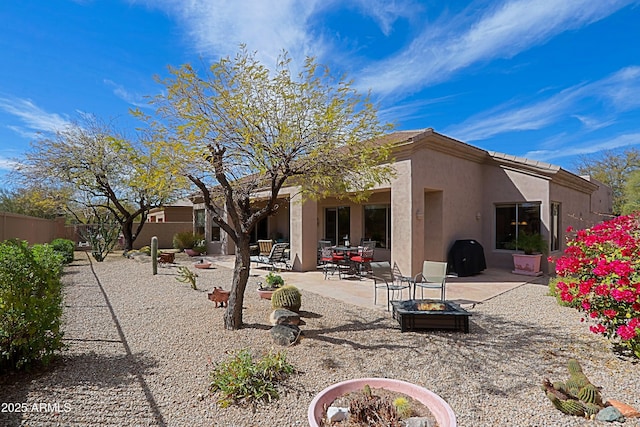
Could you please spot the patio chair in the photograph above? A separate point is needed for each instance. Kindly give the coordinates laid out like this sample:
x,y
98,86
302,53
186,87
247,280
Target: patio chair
x,y
276,258
321,245
383,278
363,259
330,261
265,247
433,276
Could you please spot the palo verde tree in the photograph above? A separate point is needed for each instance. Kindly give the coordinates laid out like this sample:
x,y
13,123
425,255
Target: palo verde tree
x,y
612,168
238,128
107,170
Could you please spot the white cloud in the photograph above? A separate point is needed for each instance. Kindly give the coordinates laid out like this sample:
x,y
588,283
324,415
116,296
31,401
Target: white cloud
x,y
589,147
33,118
619,92
268,27
7,164
129,97
502,32
386,12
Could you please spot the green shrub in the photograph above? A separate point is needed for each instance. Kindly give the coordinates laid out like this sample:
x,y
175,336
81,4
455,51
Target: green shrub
x,y
30,304
65,247
242,380
274,281
555,292
187,240
145,250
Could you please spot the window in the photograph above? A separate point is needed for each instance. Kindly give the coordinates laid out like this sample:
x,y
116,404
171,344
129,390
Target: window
x,y
199,221
337,224
554,232
377,225
260,231
215,233
515,218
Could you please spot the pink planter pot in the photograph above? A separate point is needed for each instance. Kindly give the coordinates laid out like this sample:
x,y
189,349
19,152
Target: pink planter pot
x,y
191,252
265,294
202,265
438,407
529,265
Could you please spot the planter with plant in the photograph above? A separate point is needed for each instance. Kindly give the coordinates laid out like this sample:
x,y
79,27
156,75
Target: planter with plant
x,y
191,243
378,401
273,281
534,246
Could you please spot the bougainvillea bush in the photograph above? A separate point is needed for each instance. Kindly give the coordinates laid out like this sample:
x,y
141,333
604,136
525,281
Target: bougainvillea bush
x,y
599,274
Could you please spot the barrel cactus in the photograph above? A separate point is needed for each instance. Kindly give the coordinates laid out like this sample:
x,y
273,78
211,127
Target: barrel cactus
x,y
288,297
576,396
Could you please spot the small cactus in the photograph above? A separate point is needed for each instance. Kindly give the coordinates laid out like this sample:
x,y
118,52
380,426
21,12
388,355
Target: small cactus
x,y
186,275
574,367
288,297
403,407
576,396
154,254
560,386
591,409
590,394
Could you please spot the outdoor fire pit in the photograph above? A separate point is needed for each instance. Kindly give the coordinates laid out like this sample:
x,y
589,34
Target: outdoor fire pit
x,y
417,314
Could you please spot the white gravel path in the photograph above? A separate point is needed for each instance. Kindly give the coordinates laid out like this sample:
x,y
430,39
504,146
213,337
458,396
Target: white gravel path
x,y
141,348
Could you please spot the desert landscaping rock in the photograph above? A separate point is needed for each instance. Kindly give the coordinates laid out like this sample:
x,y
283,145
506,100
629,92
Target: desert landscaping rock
x,y
142,356
282,316
284,334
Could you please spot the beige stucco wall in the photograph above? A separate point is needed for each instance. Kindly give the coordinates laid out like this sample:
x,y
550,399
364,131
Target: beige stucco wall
x,y
33,230
445,194
504,185
445,190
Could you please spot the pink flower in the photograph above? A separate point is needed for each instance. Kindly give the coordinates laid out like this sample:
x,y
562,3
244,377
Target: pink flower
x,y
625,295
610,313
586,305
602,290
598,329
626,333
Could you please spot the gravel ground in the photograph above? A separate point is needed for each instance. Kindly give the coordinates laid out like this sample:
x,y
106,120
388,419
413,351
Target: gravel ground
x,y
141,348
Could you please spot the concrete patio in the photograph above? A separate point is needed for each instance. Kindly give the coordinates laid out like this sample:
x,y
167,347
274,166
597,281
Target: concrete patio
x,y
465,291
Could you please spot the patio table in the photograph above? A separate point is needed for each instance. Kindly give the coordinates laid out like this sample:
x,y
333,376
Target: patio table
x,y
351,269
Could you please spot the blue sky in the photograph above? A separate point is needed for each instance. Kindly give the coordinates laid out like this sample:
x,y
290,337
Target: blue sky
x,y
547,80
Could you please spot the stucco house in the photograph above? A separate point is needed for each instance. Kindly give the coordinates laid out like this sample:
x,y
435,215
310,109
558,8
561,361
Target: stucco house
x,y
444,190
179,211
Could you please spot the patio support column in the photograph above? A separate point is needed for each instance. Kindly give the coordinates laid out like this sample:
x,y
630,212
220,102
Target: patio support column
x,y
303,221
407,216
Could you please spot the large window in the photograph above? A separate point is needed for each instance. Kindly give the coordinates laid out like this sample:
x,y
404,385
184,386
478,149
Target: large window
x,y
515,218
555,226
377,225
260,231
199,221
337,224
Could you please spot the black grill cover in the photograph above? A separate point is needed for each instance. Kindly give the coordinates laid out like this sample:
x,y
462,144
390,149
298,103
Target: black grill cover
x,y
466,258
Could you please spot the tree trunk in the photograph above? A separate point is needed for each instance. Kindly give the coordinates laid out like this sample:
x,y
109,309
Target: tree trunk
x,y
127,233
233,314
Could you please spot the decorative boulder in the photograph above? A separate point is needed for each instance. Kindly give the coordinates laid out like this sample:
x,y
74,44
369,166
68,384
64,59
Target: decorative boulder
x,y
627,410
282,316
610,414
285,335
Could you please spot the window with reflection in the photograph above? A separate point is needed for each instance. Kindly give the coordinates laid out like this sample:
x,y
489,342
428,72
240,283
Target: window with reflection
x,y
515,218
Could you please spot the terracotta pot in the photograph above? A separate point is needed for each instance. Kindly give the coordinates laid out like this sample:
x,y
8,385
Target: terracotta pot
x,y
529,265
191,252
265,294
438,407
203,265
